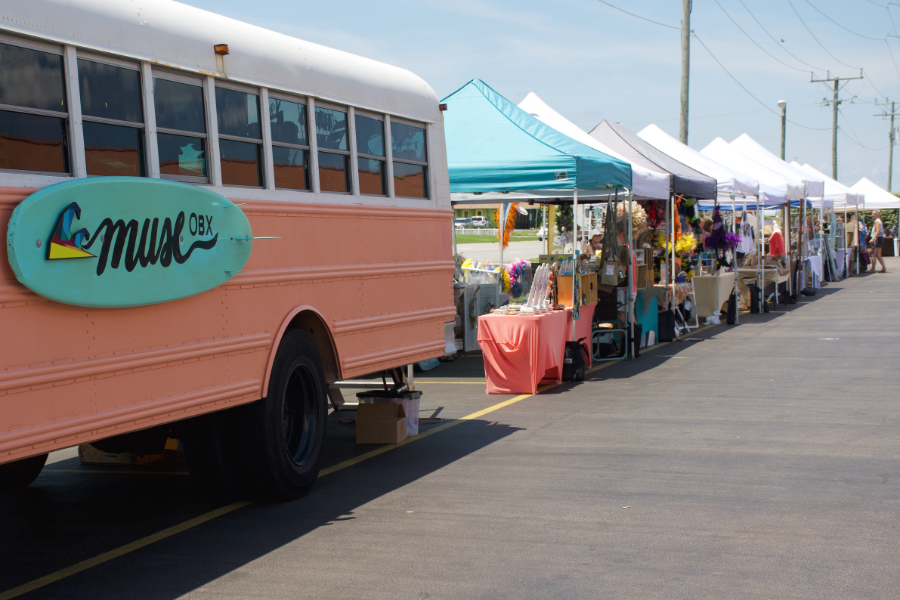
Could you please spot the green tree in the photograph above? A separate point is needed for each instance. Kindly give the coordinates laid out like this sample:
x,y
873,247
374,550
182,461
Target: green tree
x,y
564,218
888,216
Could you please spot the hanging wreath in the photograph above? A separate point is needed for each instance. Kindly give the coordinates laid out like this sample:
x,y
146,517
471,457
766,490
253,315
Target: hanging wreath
x,y
638,218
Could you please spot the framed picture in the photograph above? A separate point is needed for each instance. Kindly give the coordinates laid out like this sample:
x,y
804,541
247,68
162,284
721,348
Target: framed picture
x,y
639,256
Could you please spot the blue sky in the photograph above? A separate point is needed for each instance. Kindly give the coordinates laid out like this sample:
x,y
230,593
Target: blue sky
x,y
591,62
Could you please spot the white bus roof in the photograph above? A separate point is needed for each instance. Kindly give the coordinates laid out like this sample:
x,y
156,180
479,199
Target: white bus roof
x,y
178,36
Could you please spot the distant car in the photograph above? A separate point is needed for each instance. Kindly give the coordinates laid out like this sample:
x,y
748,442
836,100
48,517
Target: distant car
x,y
480,222
462,223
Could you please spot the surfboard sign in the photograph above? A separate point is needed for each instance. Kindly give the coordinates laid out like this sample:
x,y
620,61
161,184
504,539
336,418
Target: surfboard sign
x,y
126,241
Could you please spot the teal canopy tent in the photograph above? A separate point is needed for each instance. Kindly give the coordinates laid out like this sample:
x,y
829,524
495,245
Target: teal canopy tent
x,y
494,146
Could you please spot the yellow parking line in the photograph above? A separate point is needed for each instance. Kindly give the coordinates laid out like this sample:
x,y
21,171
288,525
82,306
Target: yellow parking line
x,y
191,523
107,556
166,533
116,472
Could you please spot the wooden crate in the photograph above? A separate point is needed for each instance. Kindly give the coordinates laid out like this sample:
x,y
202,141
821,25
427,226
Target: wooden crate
x,y
588,289
643,277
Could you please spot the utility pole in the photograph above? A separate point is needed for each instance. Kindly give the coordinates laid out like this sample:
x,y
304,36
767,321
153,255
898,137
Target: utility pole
x,y
835,102
892,136
783,106
685,68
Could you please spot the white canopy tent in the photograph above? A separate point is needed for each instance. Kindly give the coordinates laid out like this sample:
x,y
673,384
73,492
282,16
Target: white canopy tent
x,y
813,188
774,188
646,183
875,196
729,181
836,192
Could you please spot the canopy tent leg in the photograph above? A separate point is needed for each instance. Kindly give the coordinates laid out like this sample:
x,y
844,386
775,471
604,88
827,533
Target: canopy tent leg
x,y
666,253
671,261
718,304
628,299
844,244
545,217
574,259
856,234
501,227
734,260
800,243
786,232
762,248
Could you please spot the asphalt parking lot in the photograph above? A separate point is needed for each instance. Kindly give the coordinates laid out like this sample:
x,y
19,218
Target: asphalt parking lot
x,y
760,461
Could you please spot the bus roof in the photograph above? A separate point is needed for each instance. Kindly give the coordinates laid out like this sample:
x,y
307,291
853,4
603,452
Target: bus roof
x,y
178,36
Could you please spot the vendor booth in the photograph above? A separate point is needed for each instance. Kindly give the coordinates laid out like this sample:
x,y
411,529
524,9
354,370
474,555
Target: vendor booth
x,y
503,154
689,188
775,191
807,243
734,190
838,198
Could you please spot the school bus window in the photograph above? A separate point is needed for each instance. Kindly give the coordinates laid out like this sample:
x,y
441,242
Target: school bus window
x,y
334,155
370,155
113,117
181,130
240,137
410,160
290,144
33,111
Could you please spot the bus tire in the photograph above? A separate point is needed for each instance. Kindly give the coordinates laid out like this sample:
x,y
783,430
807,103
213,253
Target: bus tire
x,y
287,428
18,475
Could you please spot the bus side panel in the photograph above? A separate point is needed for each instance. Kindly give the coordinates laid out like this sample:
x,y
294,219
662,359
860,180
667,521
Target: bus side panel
x,y
379,277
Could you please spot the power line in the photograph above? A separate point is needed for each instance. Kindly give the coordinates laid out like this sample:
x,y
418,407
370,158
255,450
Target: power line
x,y
868,156
861,145
734,114
755,42
869,79
638,16
891,52
857,141
841,26
776,41
817,39
749,93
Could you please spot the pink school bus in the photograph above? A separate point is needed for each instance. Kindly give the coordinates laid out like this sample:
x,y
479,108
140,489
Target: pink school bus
x,y
336,161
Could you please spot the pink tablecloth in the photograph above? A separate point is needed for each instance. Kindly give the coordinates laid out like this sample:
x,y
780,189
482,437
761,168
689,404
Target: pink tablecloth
x,y
582,329
520,350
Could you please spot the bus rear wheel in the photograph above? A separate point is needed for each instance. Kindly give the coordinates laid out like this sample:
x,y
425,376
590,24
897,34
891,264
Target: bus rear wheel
x,y
288,427
18,475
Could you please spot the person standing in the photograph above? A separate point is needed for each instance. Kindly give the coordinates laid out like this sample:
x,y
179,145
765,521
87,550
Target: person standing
x,y
877,241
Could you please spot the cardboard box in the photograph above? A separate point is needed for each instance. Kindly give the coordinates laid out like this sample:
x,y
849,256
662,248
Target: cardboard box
x,y
409,400
380,424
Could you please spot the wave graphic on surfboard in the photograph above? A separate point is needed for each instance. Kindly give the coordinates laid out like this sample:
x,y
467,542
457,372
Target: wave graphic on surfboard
x,y
64,243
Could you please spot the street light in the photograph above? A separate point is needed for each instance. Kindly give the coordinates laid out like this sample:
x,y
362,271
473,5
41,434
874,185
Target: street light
x,y
783,106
